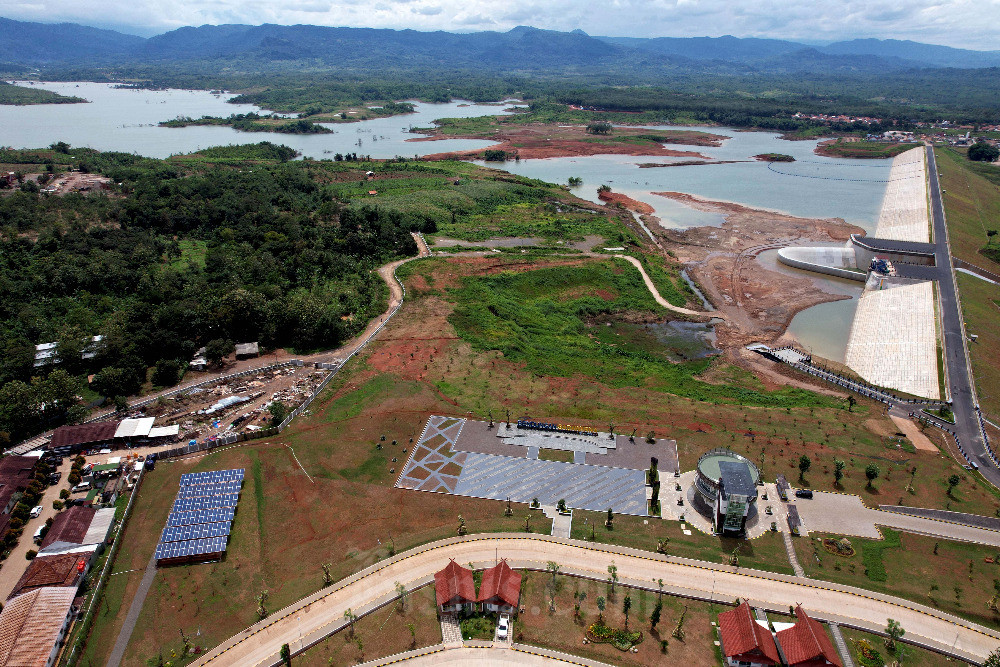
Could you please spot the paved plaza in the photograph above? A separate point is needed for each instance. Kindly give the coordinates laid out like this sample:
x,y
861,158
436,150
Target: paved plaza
x,y
904,214
471,458
893,340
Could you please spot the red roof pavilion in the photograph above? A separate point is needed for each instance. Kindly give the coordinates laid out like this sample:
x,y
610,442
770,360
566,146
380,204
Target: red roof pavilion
x,y
806,643
744,640
501,585
454,585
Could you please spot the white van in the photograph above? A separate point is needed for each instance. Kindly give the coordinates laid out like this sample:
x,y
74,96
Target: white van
x,y
38,534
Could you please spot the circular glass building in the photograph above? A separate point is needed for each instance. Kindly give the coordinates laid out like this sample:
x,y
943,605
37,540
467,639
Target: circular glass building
x,y
709,473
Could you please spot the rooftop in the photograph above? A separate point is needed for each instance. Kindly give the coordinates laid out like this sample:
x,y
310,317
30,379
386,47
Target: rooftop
x,y
61,570
742,636
807,641
70,526
736,479
30,625
83,434
454,581
500,581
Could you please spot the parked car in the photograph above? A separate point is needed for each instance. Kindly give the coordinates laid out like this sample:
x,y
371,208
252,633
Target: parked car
x,y
38,534
35,512
54,478
82,486
503,627
804,493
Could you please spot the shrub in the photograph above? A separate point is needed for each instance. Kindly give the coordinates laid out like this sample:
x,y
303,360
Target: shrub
x,y
31,554
57,505
64,494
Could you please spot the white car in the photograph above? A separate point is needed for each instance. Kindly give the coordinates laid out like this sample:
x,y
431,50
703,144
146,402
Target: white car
x,y
503,627
35,512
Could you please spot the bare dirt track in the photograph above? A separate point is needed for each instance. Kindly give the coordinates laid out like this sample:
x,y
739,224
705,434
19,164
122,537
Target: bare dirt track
x,y
758,303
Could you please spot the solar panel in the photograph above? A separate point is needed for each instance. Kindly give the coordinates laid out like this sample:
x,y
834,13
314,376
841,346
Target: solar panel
x,y
201,518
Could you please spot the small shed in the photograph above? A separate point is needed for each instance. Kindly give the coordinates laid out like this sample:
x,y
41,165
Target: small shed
x,y
247,350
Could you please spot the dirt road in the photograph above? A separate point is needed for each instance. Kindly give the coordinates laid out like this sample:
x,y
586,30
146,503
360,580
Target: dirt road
x,y
315,617
656,294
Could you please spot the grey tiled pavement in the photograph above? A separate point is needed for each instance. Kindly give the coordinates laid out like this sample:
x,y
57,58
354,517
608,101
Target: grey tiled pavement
x,y
585,487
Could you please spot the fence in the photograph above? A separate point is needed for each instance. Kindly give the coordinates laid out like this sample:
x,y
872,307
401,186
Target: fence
x,y
88,618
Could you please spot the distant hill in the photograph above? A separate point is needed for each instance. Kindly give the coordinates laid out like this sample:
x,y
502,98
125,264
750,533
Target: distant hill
x,y
40,43
522,49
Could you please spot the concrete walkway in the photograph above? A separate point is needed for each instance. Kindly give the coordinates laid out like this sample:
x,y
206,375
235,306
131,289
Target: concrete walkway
x,y
656,293
793,558
135,607
838,640
562,524
310,620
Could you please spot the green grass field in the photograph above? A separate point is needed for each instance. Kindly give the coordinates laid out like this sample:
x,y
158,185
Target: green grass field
x,y
865,149
972,205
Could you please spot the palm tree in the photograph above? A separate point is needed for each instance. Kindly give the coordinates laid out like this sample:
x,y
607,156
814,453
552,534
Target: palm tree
x,y
401,592
351,617
552,567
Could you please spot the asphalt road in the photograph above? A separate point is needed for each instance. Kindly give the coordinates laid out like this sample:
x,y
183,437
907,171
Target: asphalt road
x,y
963,394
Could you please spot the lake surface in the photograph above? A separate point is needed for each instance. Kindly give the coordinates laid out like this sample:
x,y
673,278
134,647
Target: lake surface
x,y
127,120
811,187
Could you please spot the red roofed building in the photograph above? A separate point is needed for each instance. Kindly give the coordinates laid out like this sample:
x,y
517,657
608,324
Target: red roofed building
x,y
501,588
745,643
78,436
62,570
16,473
806,643
455,588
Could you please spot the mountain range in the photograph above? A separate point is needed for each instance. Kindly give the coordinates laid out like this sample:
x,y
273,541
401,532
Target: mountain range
x,y
522,49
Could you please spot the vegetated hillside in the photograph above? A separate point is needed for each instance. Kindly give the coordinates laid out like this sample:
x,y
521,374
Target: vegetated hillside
x,y
522,48
27,42
929,54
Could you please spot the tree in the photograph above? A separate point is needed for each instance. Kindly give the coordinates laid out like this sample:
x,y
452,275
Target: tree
x,y
612,577
552,567
654,618
401,592
990,233
166,373
112,382
953,481
993,659
327,577
351,618
609,522
626,608
601,603
60,147
894,632
575,181
851,402
983,152
804,464
286,654
838,470
217,349
413,634
600,127
278,412
262,605
603,188
872,471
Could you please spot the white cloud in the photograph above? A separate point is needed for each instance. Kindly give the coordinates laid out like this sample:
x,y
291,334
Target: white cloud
x,y
960,23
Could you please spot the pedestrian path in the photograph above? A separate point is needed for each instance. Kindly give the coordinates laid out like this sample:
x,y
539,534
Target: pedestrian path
x,y
451,631
838,639
562,524
792,556
135,607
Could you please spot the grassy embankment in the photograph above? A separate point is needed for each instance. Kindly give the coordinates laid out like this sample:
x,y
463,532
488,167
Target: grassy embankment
x,y
906,654
23,95
972,206
951,576
863,149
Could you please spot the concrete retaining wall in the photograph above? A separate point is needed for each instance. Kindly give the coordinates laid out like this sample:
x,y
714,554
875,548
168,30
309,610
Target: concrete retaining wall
x,y
865,253
830,261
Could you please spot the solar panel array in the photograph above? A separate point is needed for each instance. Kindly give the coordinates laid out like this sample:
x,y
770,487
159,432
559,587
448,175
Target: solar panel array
x,y
202,514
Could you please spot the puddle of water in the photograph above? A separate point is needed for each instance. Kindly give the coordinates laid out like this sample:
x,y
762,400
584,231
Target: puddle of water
x,y
685,340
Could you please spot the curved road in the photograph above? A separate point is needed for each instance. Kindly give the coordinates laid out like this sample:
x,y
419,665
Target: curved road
x,y
518,656
315,617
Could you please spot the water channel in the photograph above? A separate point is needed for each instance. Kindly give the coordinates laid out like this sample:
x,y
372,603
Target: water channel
x,y
812,186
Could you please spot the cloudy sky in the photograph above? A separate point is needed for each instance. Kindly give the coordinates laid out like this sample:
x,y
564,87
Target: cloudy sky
x,y
960,23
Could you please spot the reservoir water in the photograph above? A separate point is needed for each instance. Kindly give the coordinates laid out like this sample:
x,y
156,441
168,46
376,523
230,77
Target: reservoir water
x,y
812,186
127,120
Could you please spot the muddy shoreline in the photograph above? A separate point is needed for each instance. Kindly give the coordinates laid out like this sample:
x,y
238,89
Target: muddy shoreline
x,y
759,303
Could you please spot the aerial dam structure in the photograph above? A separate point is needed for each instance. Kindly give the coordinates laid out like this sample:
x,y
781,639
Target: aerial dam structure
x,y
893,341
